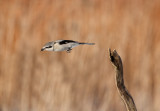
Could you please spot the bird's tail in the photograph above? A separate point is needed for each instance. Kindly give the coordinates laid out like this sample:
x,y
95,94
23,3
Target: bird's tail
x,y
87,43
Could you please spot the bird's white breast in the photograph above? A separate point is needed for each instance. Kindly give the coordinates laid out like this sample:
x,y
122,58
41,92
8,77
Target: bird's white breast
x,y
58,47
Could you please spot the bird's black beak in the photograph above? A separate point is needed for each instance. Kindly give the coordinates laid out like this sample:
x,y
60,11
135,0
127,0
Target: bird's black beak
x,y
42,49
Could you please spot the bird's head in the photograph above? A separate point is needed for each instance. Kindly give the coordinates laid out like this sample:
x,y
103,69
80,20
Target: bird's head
x,y
48,46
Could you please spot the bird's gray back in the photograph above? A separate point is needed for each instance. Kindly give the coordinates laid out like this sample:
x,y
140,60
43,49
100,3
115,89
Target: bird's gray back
x,y
49,44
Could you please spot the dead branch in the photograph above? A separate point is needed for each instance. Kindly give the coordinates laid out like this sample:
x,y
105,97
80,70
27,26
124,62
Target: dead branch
x,y
126,97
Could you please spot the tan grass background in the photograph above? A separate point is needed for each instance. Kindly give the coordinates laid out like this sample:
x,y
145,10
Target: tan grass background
x,y
84,79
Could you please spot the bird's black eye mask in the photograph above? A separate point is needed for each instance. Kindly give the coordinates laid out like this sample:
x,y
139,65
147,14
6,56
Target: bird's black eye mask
x,y
49,47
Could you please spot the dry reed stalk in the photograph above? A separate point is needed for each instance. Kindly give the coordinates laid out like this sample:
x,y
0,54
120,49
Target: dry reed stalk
x,y
126,97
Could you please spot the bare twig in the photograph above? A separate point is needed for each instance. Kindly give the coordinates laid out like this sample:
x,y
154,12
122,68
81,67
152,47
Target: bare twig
x,y
117,63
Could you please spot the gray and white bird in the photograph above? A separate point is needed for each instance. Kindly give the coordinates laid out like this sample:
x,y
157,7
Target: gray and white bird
x,y
62,45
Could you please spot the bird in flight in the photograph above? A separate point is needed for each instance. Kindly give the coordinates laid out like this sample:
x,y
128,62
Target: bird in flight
x,y
62,45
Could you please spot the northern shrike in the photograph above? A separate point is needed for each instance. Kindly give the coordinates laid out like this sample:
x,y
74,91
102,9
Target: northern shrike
x,y
62,45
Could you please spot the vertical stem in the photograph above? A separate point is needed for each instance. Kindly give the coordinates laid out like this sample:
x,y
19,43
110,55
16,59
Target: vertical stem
x,y
125,95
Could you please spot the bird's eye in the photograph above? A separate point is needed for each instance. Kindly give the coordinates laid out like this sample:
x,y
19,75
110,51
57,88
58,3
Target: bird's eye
x,y
49,47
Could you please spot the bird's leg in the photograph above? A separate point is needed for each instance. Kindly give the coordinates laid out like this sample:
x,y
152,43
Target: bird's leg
x,y
68,50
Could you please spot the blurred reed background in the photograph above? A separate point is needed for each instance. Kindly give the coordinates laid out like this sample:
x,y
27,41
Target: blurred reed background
x,y
84,79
